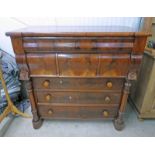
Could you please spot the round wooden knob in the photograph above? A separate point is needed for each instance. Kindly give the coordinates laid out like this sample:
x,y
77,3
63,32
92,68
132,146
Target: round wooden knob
x,y
48,97
46,83
50,112
105,113
107,99
61,81
70,97
109,84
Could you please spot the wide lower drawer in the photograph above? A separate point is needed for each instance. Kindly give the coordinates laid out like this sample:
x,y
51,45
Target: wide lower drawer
x,y
77,97
80,84
81,112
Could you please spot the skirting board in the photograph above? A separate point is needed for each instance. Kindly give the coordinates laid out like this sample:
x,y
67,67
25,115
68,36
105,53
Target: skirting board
x,y
4,125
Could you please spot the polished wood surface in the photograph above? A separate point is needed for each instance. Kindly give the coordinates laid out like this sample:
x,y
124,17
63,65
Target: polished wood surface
x,y
72,44
77,97
42,64
78,72
78,112
114,65
78,64
35,31
79,84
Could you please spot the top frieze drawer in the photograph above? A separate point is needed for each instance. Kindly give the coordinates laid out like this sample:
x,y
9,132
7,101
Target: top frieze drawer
x,y
43,44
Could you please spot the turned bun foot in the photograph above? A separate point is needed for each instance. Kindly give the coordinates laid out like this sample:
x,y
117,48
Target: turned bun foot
x,y
37,124
119,124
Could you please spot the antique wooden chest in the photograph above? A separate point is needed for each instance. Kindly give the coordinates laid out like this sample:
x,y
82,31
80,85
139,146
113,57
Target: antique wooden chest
x,y
78,72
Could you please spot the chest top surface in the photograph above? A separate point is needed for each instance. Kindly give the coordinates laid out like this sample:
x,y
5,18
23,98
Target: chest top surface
x,y
35,31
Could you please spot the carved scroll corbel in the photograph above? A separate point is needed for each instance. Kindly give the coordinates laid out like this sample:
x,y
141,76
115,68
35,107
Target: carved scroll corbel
x,y
24,74
134,67
23,68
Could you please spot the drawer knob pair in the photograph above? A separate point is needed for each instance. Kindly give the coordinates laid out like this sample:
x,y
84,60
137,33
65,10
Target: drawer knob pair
x,y
48,97
105,113
109,84
46,84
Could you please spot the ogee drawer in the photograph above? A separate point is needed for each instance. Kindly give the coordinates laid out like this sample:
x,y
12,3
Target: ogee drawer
x,y
85,65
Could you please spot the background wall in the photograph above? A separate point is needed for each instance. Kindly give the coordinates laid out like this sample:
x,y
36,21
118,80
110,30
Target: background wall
x,y
8,24
153,29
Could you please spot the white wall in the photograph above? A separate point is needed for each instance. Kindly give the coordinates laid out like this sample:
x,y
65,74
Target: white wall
x,y
8,24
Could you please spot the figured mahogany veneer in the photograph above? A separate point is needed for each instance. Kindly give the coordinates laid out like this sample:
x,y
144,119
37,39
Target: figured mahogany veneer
x,y
39,44
40,64
78,72
79,65
78,112
78,84
77,97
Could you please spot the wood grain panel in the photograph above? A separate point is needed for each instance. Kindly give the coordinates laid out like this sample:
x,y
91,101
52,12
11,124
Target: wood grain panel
x,y
42,64
78,64
114,65
74,112
139,45
78,84
77,43
78,97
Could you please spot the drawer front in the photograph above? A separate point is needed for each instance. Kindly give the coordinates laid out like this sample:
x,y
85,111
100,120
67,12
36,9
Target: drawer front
x,y
114,64
78,112
32,44
78,64
80,84
42,64
91,65
77,97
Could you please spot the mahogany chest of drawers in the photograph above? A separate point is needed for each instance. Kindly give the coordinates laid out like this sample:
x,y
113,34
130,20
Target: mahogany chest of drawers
x,y
78,72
